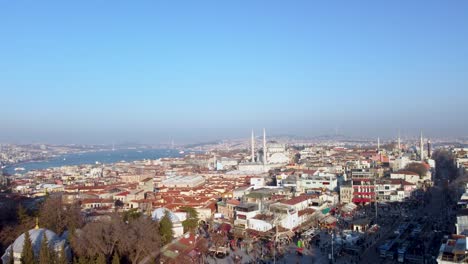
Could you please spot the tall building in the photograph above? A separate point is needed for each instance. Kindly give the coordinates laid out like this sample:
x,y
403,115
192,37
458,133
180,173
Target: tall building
x,y
378,145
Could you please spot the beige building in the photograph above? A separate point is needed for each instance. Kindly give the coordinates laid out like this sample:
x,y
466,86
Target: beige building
x,y
346,193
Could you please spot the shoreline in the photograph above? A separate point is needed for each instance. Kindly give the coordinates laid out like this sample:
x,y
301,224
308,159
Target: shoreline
x,y
121,155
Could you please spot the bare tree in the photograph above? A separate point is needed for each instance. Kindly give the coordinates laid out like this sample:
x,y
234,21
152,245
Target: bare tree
x,y
58,216
99,238
139,239
418,168
218,240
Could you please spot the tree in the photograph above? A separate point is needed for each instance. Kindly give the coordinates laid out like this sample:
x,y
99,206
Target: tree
x,y
140,239
27,256
101,259
11,259
417,167
297,158
131,214
83,260
191,223
22,214
62,257
116,258
57,216
44,253
99,238
218,240
165,229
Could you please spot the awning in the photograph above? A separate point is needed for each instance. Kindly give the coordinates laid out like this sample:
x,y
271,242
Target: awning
x,y
325,211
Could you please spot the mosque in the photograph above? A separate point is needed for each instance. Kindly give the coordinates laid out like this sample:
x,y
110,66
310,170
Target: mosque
x,y
176,219
37,234
273,155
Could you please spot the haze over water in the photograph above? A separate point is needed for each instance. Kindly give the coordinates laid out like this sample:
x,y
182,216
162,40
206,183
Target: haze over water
x,y
93,157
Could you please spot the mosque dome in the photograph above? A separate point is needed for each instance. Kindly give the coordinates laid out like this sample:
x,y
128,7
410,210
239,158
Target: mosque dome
x,y
160,212
36,235
36,239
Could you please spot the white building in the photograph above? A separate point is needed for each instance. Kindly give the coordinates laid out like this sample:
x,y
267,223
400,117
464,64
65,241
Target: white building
x,y
277,153
287,215
400,163
177,227
245,212
462,222
321,181
183,181
257,182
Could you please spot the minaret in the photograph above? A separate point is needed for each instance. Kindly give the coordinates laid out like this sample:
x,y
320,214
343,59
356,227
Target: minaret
x,y
253,147
421,147
265,161
378,145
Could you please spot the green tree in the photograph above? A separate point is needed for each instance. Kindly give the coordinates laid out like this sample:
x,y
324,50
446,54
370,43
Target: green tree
x,y
131,214
82,260
11,259
116,258
165,229
44,253
191,223
101,259
27,256
62,257
23,215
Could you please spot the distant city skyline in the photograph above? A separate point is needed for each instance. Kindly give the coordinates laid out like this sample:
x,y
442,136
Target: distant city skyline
x,y
146,72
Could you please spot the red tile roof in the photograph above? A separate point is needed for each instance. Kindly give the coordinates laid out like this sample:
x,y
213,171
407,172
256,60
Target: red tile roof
x,y
233,201
295,200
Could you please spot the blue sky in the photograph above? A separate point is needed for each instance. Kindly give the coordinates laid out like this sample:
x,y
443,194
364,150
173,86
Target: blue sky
x,y
149,71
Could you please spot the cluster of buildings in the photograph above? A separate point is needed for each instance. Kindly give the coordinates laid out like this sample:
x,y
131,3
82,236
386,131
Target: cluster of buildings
x,y
454,249
272,189
461,160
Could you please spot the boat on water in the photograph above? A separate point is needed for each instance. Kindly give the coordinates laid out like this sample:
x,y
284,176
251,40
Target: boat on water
x,y
20,169
181,152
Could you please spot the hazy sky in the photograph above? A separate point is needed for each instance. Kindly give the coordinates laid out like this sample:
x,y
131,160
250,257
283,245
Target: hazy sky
x,y
149,71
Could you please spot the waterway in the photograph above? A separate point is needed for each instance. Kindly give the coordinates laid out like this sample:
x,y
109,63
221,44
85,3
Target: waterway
x,y
93,157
